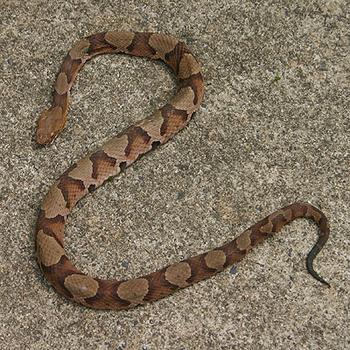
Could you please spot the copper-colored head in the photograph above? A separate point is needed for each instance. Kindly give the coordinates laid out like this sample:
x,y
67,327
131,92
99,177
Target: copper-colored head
x,y
50,123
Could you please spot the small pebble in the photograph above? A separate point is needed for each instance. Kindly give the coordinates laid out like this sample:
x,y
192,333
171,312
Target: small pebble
x,y
121,346
125,264
233,270
180,195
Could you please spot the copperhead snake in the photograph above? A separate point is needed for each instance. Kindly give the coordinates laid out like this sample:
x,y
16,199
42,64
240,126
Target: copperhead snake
x,y
118,153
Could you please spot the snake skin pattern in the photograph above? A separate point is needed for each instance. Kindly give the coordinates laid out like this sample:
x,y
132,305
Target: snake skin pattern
x,y
121,151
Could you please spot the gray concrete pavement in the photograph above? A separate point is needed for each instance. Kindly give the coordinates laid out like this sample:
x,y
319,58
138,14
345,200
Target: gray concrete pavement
x,y
273,128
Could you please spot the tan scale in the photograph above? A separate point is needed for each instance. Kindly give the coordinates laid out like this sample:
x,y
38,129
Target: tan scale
x,y
283,213
81,286
79,50
268,227
188,66
215,259
178,274
152,125
243,241
120,40
115,148
162,43
134,290
62,85
83,172
49,250
54,203
183,100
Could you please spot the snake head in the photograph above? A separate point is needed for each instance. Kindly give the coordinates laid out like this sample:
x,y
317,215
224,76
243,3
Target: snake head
x,y
50,124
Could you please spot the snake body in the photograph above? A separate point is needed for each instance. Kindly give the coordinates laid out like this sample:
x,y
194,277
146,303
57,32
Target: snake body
x,y
121,151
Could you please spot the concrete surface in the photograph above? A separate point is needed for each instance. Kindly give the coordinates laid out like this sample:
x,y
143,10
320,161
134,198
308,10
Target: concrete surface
x,y
274,128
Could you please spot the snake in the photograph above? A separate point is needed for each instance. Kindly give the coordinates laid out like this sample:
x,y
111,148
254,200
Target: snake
x,y
90,172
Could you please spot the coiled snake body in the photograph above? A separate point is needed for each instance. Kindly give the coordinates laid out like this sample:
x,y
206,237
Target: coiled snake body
x,y
122,150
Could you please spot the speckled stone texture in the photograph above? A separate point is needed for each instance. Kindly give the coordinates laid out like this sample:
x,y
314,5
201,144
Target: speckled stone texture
x,y
273,129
